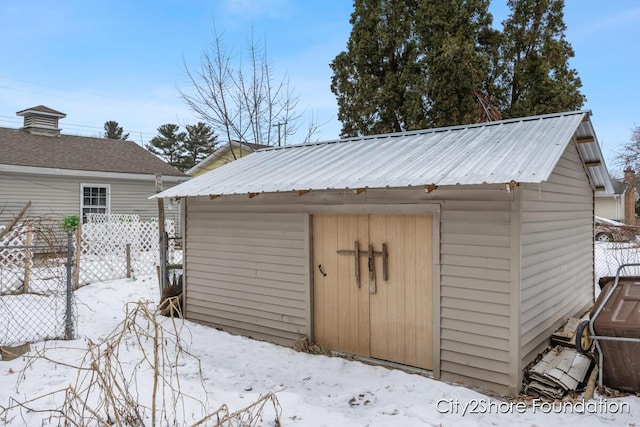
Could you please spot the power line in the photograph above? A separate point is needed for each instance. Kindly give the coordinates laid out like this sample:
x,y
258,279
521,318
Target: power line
x,y
51,86
72,126
144,136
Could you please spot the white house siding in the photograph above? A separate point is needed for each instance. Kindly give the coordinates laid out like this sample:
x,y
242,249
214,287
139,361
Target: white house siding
x,y
610,206
557,252
247,273
475,289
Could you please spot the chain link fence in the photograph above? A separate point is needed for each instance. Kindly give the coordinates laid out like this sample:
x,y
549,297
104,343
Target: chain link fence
x,y
36,295
39,272
610,255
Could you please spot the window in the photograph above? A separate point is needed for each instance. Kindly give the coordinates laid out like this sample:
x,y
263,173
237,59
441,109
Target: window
x,y
94,199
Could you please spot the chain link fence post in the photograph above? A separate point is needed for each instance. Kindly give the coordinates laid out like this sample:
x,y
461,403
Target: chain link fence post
x,y
69,312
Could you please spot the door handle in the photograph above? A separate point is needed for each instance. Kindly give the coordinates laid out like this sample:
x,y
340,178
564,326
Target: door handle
x,y
321,270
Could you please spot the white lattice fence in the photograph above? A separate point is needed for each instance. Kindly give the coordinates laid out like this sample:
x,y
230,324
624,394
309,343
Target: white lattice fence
x,y
104,241
99,218
14,259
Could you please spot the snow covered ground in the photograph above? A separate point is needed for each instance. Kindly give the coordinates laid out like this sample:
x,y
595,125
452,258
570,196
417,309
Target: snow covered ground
x,y
312,390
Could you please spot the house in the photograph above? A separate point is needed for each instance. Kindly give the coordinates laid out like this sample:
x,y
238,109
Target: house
x,y
65,175
621,204
225,154
611,205
458,250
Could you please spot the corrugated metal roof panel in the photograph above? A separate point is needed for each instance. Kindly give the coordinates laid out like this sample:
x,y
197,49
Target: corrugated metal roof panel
x,y
522,150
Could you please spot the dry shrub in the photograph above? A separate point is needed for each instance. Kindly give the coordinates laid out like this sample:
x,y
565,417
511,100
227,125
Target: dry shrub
x,y
108,391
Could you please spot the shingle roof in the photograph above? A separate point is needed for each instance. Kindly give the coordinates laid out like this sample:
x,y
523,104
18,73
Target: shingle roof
x,y
20,148
42,109
522,150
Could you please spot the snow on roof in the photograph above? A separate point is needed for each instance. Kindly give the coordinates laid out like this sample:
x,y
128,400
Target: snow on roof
x,y
524,150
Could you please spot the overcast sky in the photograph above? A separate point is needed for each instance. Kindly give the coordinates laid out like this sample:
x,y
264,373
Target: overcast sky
x,y
124,60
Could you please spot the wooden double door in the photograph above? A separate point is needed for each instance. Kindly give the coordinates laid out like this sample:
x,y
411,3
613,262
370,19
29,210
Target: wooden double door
x,y
373,286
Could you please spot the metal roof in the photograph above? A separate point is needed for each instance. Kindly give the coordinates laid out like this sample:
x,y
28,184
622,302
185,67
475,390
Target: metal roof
x,y
524,150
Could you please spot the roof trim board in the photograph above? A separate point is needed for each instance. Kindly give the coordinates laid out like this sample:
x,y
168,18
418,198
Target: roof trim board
x,y
30,170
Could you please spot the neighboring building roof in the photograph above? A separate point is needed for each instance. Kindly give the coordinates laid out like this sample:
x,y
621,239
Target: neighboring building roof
x,y
21,148
221,152
42,110
524,150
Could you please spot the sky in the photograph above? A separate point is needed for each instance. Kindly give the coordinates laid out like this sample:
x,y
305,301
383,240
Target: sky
x,y
125,61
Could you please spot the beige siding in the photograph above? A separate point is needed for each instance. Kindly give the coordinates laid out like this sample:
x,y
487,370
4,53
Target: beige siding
x,y
53,196
248,273
557,252
472,320
59,196
475,291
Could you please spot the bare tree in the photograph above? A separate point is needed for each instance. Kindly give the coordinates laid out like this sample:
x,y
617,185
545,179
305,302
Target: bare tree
x,y
245,102
629,153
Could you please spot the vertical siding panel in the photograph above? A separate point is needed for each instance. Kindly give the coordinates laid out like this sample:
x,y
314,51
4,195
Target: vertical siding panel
x,y
345,269
423,264
319,334
331,293
363,321
407,300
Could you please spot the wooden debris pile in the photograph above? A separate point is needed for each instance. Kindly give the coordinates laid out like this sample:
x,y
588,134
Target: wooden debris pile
x,y
560,370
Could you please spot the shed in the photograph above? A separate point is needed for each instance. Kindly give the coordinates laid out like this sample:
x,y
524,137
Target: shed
x,y
458,250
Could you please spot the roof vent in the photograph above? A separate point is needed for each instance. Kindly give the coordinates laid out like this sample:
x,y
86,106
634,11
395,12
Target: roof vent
x,y
41,120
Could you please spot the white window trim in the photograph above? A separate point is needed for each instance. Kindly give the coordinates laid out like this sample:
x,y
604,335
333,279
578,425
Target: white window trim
x,y
94,184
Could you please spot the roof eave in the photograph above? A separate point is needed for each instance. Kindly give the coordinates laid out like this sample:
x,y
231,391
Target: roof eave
x,y
591,153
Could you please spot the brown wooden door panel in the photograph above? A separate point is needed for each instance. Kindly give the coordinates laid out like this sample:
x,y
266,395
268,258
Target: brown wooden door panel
x,y
341,309
395,322
424,290
354,304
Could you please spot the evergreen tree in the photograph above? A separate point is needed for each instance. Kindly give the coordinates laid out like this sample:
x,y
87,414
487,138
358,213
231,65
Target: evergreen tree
x,y
198,143
421,63
113,130
378,81
168,144
460,54
538,79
